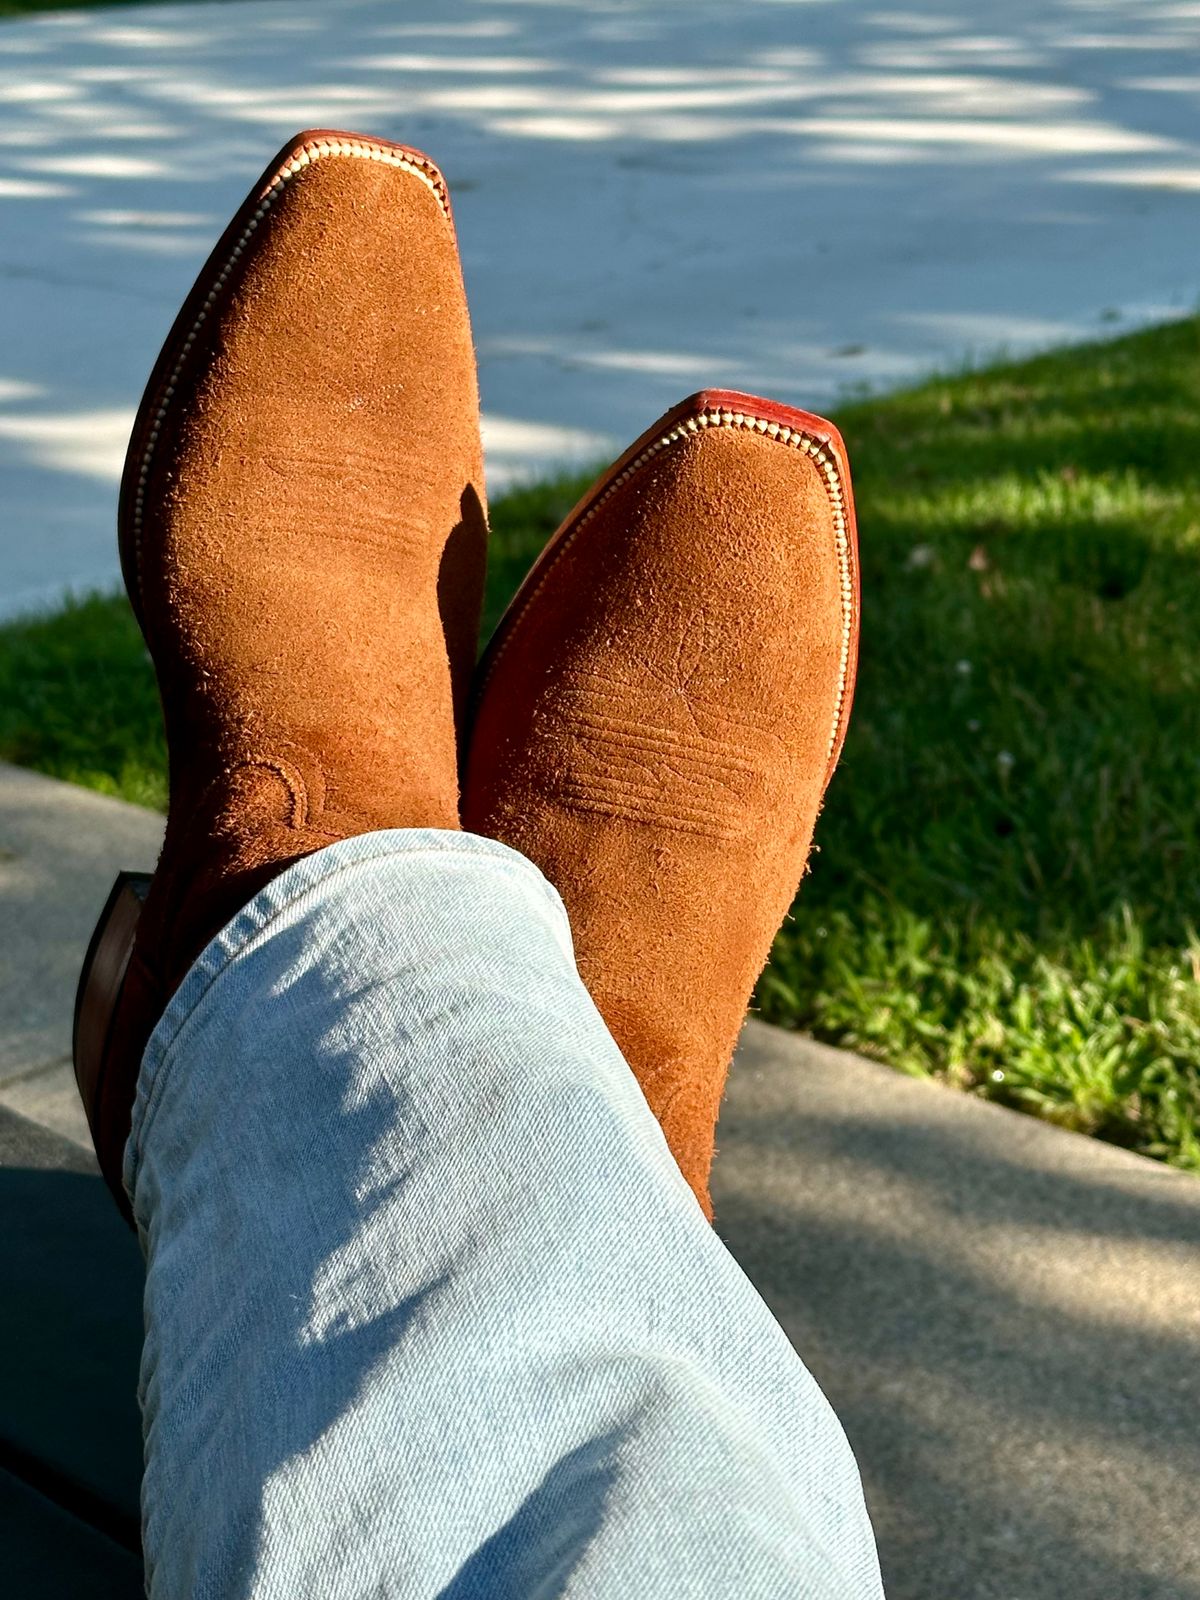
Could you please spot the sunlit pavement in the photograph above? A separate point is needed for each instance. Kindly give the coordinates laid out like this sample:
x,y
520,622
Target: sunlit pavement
x,y
796,198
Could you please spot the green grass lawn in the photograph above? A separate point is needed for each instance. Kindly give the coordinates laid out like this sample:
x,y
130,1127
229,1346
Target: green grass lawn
x,y
1008,875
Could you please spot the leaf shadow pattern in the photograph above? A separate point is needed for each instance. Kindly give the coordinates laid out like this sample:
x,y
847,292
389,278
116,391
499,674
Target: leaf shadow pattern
x,y
279,1321
533,1556
1004,1317
338,1307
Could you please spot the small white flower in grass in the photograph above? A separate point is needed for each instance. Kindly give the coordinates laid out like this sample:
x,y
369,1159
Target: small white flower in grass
x,y
997,1076
921,555
963,668
1005,761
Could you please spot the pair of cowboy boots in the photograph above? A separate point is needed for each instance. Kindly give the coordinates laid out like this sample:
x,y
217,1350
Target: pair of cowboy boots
x,y
302,535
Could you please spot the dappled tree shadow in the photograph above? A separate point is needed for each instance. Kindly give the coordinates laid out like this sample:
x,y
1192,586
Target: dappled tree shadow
x,y
1024,1423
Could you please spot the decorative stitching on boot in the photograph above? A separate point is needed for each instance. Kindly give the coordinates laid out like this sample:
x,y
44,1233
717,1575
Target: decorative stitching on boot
x,y
644,805
688,428
301,158
626,733
293,780
649,772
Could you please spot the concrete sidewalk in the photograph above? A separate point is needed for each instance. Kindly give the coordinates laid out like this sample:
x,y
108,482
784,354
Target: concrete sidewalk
x,y
651,198
60,849
1005,1316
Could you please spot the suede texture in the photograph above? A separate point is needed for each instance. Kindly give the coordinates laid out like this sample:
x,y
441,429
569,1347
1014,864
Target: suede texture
x,y
654,727
307,561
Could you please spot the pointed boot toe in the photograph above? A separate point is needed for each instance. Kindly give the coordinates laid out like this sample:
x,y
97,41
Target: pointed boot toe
x,y
658,716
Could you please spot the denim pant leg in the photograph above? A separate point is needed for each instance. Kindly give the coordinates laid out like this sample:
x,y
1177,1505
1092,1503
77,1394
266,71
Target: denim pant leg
x,y
429,1309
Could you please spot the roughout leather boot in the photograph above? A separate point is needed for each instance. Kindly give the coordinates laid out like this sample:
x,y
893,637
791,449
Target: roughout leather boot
x,y
656,720
302,537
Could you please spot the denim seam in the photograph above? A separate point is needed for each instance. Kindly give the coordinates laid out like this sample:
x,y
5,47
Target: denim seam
x,y
155,1070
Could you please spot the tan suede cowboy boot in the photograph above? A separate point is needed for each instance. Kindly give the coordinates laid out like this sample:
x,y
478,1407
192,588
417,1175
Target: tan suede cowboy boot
x,y
302,537
658,716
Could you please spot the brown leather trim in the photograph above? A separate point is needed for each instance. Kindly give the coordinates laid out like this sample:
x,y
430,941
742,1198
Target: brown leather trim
x,y
100,981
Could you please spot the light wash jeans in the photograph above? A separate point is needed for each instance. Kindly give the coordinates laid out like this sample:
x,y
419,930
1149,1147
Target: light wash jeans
x,y
430,1310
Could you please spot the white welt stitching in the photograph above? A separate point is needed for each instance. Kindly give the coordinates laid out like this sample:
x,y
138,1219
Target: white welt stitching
x,y
796,439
